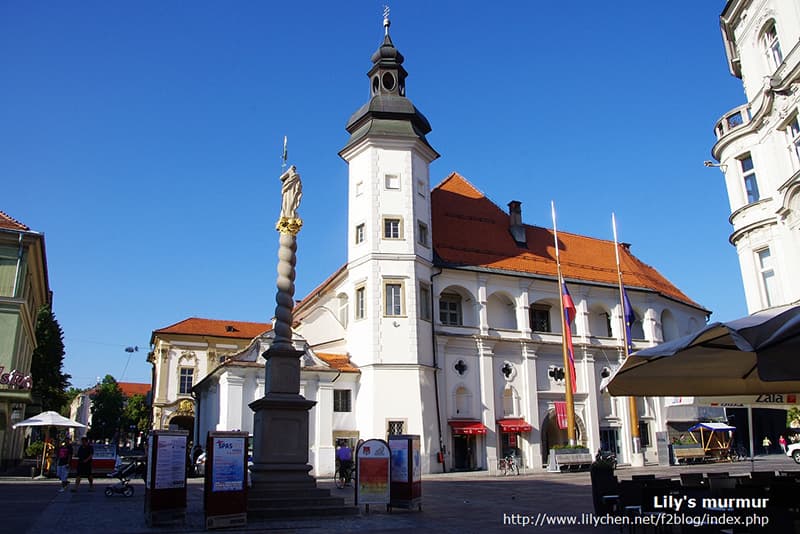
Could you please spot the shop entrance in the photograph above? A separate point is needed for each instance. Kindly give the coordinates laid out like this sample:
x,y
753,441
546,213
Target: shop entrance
x,y
462,452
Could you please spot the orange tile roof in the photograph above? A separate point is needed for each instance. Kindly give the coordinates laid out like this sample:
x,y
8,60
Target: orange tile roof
x,y
340,362
130,389
216,328
10,223
470,230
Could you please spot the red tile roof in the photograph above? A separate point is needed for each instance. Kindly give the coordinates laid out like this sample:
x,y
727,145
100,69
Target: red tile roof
x,y
10,223
216,328
470,230
340,362
129,389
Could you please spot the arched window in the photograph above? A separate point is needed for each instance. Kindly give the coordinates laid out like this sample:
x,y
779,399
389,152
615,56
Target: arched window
x,y
501,312
510,402
343,309
450,309
771,45
463,400
669,327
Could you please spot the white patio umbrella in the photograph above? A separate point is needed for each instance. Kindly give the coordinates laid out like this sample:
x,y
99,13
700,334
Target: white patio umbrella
x,y
755,356
48,419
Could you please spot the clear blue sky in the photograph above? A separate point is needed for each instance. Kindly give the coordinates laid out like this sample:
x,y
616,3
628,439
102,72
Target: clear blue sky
x,y
144,140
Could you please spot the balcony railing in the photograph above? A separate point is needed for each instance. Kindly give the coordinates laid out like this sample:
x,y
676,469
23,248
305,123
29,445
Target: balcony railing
x,y
734,119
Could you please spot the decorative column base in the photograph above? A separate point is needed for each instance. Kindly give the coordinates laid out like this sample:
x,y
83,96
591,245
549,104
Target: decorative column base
x,y
282,486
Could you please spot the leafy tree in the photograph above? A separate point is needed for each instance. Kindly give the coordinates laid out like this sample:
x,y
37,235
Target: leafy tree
x,y
136,413
49,382
107,409
792,416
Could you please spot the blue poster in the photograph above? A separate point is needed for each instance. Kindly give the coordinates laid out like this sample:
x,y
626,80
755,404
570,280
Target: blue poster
x,y
227,470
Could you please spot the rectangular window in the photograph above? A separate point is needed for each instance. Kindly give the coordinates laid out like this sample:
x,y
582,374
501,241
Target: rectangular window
x,y
768,281
185,385
361,302
392,181
396,428
540,318
421,188
749,177
644,433
425,302
422,233
394,299
359,188
360,229
793,135
450,310
391,228
341,400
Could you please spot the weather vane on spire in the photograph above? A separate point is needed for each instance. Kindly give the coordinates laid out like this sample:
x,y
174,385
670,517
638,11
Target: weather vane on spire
x,y
386,22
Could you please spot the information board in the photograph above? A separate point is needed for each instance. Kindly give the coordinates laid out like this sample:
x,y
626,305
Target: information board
x,y
170,462
165,488
372,459
227,468
225,487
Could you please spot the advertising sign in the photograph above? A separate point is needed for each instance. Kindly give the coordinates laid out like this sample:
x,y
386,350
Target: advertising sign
x,y
170,462
165,488
372,459
227,469
225,486
399,460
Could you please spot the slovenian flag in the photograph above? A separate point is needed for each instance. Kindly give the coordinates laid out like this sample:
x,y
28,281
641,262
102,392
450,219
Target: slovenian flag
x,y
569,316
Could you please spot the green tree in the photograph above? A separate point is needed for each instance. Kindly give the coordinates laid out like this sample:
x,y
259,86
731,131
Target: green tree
x,y
107,409
136,413
792,416
49,381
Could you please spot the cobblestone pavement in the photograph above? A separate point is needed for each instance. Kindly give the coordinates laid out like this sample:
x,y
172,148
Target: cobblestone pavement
x,y
452,502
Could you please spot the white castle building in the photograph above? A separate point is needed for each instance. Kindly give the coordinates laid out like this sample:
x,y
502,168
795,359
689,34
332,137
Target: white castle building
x,y
758,147
445,320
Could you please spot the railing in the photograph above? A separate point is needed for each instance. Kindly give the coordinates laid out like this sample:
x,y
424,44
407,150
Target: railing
x,y
735,118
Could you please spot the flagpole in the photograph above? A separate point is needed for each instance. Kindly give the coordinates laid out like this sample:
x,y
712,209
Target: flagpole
x,y
568,393
636,441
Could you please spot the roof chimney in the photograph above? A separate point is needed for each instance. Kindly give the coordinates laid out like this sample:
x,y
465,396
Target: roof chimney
x,y
516,227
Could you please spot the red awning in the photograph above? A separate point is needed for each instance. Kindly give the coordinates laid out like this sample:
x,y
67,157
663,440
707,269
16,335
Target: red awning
x,y
468,428
514,425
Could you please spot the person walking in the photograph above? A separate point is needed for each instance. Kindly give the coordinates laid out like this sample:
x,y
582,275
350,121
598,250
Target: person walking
x,y
782,443
63,457
85,454
766,443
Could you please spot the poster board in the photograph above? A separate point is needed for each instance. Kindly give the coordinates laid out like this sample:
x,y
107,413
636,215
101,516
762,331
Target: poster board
x,y
406,471
165,486
372,469
225,486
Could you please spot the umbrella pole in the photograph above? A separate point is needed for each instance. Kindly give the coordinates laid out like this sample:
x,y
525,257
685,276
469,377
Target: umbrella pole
x,y
44,451
752,437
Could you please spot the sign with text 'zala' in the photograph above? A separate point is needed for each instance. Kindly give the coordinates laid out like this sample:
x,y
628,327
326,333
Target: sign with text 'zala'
x,y
373,458
227,469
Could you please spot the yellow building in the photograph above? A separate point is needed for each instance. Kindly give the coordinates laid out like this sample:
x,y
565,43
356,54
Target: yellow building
x,y
24,288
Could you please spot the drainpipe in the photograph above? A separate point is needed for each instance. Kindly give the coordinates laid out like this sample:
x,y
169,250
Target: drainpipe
x,y
436,375
19,265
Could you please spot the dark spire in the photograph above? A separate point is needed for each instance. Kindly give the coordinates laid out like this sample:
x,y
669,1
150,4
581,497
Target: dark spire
x,y
388,113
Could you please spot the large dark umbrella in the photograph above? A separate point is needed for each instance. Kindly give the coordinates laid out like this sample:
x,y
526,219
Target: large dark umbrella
x,y
754,355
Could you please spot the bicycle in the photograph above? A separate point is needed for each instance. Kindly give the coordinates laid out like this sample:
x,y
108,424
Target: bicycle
x,y
739,454
343,476
508,465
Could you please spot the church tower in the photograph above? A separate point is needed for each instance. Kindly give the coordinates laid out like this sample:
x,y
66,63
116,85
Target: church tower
x,y
390,258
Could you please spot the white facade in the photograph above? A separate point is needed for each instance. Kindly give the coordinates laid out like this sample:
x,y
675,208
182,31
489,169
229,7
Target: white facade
x,y
758,147
426,372
223,398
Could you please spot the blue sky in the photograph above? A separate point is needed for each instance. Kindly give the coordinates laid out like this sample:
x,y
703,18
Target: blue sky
x,y
144,140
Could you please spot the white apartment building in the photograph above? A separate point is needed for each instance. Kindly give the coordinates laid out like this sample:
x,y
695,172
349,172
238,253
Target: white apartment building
x,y
758,147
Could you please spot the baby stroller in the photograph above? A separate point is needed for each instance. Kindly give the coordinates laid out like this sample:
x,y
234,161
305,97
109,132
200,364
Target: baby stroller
x,y
124,472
